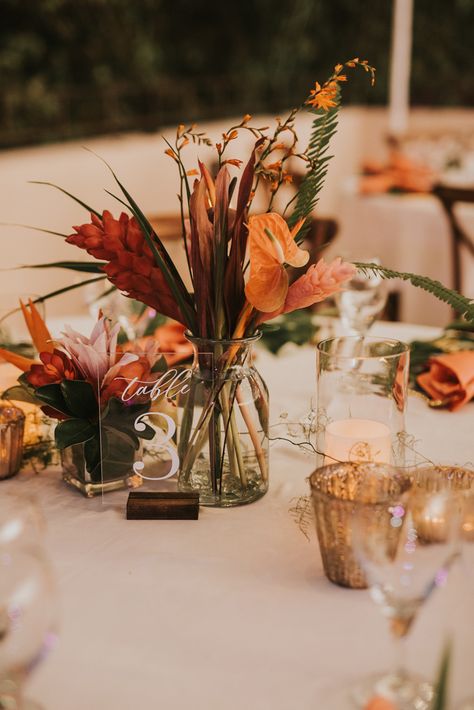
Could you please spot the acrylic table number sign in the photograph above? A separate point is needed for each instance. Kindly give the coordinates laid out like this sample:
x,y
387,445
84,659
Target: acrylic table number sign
x,y
362,387
147,425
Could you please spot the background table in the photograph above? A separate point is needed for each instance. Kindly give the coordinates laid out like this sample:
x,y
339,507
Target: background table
x,y
407,233
233,610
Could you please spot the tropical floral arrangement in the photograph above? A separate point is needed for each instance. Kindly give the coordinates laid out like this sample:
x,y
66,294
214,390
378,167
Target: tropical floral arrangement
x,y
237,262
79,381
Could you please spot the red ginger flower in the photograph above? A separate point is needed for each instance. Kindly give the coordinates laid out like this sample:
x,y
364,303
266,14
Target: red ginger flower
x,y
131,265
55,367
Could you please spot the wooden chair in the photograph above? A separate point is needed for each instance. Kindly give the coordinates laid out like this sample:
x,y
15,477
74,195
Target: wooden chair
x,y
167,226
449,197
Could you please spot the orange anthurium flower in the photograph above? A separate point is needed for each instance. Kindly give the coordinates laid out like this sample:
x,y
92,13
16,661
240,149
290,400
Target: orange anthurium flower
x,y
271,246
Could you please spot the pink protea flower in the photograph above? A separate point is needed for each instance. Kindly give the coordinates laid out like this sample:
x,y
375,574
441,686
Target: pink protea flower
x,y
320,281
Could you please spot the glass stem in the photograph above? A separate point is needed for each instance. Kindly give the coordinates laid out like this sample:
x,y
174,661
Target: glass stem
x,y
399,651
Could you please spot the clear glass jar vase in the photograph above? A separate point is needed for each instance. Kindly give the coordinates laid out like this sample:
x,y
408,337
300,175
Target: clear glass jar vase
x,y
223,433
111,474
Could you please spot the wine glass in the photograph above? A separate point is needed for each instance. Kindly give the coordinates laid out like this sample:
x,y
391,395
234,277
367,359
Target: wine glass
x,y
21,521
27,619
405,544
361,300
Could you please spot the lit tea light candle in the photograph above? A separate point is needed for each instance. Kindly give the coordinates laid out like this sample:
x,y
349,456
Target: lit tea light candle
x,y
358,440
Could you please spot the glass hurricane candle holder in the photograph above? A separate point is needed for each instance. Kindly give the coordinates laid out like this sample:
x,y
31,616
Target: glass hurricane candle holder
x,y
335,490
362,385
12,424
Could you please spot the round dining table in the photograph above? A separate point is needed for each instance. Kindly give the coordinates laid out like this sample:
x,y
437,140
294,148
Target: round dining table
x,y
233,610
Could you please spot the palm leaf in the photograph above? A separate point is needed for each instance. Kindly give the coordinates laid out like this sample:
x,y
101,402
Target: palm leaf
x,y
88,267
324,127
459,303
65,192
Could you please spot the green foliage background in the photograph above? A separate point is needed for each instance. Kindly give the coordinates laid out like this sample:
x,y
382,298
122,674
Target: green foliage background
x,y
70,68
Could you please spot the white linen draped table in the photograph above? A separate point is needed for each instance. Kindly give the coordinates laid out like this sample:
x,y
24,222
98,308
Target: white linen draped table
x,y
232,611
407,233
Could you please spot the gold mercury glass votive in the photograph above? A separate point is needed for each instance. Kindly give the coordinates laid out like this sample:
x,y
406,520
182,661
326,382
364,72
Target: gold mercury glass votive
x,y
336,490
12,424
432,527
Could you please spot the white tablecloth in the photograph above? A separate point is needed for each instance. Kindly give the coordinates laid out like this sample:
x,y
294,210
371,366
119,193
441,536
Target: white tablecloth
x,y
233,610
407,233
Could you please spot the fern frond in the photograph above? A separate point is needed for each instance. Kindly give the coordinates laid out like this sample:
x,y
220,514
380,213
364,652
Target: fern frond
x,y
324,127
462,305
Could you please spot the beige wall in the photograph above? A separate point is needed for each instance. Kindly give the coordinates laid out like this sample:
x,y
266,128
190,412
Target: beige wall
x,y
151,177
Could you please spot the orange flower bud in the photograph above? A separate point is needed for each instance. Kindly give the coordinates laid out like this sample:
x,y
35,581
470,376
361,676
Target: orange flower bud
x,y
170,152
246,118
233,135
233,161
192,172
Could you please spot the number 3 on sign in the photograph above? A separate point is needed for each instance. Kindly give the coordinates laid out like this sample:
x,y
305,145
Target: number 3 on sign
x,y
163,445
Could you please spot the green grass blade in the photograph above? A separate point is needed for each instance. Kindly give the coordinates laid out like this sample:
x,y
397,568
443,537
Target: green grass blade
x,y
440,701
58,292
65,192
88,267
37,229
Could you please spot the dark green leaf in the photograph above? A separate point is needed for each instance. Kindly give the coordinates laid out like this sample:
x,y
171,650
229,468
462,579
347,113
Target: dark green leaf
x,y
80,398
76,199
92,456
19,394
52,396
73,431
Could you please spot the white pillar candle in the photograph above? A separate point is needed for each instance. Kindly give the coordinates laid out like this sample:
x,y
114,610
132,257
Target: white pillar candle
x,y
357,440
400,64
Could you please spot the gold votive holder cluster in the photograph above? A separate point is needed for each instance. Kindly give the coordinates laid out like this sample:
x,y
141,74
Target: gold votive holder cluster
x,y
432,526
336,490
12,424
